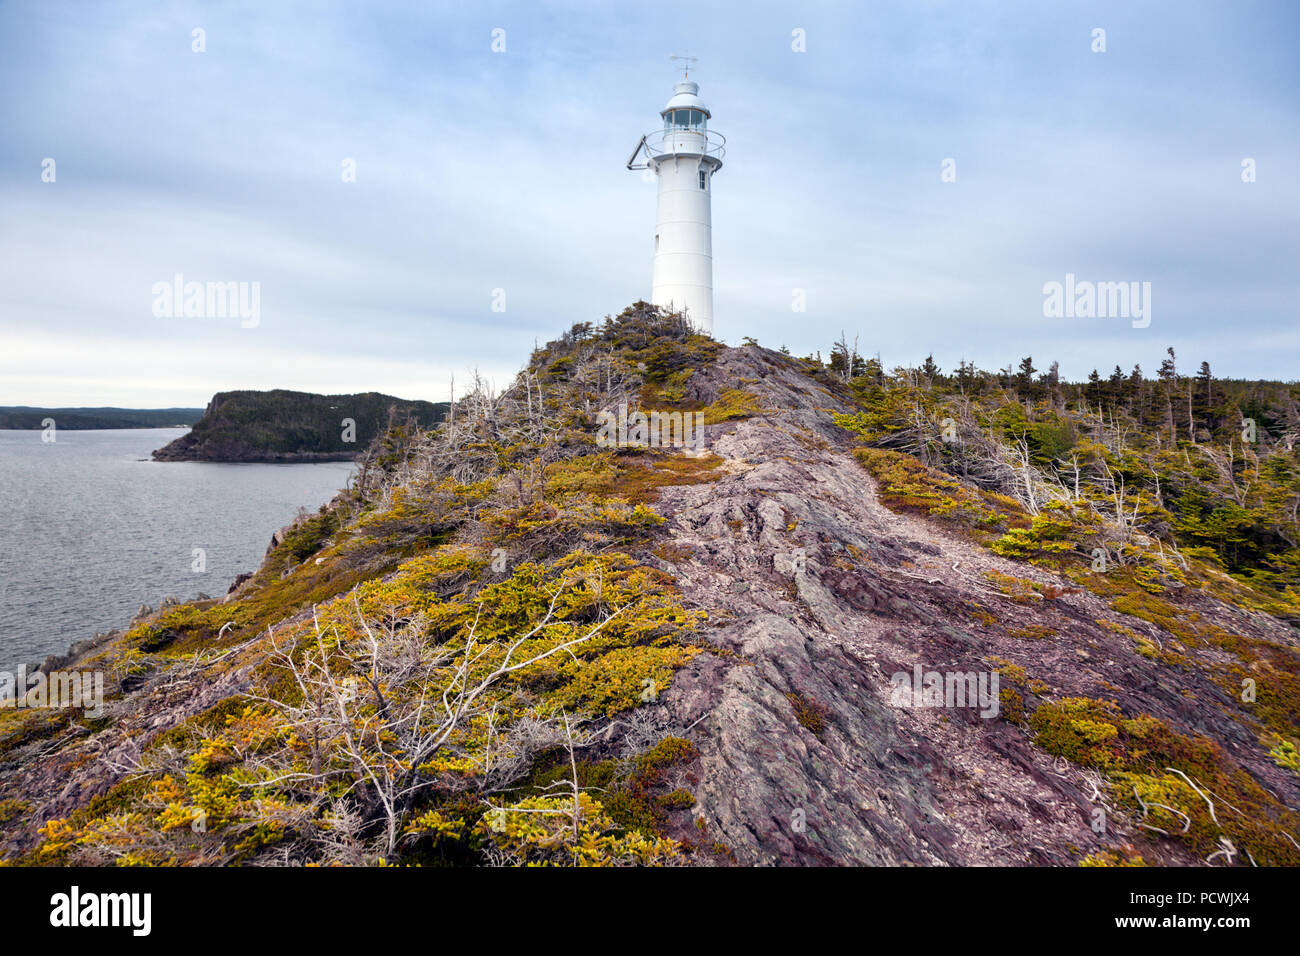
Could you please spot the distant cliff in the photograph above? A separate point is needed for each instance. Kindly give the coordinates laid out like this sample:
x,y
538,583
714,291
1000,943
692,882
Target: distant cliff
x,y
77,419
283,426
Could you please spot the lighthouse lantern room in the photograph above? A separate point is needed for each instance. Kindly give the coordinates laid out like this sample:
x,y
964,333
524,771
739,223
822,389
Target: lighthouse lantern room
x,y
684,156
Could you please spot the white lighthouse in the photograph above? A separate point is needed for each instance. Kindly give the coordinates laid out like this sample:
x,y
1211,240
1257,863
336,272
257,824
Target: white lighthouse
x,y
684,156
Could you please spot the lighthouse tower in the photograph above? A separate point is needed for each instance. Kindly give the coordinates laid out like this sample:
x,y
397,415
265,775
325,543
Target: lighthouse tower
x,y
684,155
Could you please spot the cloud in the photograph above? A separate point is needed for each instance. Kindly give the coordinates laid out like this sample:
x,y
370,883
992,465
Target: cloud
x,y
478,172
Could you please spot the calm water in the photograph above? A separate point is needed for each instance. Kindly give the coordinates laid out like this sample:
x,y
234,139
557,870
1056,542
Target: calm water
x,y
90,529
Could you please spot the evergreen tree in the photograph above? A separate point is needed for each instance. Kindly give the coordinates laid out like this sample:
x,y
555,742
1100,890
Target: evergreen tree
x,y
1136,390
1168,381
965,375
1051,379
1115,387
1024,378
1203,405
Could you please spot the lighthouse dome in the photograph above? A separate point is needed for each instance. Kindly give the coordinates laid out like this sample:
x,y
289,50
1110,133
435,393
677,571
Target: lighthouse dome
x,y
686,96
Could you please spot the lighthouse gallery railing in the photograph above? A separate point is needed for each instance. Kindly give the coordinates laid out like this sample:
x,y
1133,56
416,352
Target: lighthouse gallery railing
x,y
679,142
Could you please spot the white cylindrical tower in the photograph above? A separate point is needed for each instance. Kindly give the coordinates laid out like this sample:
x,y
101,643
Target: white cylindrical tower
x,y
684,156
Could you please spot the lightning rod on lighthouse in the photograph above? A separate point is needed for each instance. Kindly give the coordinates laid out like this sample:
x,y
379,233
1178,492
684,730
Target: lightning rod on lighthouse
x,y
684,156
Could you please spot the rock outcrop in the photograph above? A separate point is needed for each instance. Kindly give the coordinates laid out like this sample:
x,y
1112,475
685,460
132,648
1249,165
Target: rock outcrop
x,y
824,593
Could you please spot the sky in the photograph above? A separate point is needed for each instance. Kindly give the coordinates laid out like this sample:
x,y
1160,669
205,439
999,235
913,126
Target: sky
x,y
491,208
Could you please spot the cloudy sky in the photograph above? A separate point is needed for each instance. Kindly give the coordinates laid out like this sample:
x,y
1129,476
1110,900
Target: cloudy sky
x,y
479,171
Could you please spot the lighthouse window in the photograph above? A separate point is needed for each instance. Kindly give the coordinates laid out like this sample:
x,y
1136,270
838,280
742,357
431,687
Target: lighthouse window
x,y
685,119
703,180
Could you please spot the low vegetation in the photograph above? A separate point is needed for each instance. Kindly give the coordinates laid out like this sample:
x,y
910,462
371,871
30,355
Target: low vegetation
x,y
439,658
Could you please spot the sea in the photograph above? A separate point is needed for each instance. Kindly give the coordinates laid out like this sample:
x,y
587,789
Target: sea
x,y
91,528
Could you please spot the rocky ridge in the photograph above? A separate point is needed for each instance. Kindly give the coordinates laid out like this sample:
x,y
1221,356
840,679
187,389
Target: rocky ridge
x,y
816,595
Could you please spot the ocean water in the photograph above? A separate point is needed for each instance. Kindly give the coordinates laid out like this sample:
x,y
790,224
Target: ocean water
x,y
90,529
